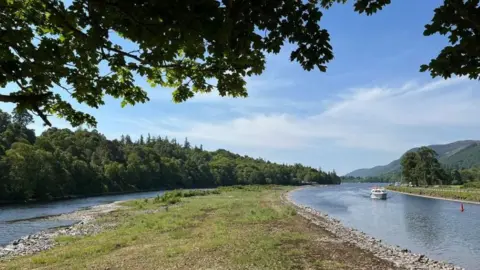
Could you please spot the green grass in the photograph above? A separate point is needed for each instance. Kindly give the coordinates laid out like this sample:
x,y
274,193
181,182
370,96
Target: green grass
x,y
448,193
228,228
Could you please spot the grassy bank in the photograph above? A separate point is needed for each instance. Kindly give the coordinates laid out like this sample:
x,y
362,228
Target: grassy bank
x,y
472,195
247,228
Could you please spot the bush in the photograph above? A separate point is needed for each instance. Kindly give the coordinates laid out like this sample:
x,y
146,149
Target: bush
x,y
246,187
475,184
457,182
174,196
192,193
172,200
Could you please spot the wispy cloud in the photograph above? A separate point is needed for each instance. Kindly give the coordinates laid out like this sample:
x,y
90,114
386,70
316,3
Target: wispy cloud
x,y
258,88
379,118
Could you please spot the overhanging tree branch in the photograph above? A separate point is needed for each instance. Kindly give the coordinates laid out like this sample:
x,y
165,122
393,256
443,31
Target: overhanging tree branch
x,y
24,99
42,116
50,42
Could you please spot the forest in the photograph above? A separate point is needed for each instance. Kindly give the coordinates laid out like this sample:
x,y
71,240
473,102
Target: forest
x,y
63,163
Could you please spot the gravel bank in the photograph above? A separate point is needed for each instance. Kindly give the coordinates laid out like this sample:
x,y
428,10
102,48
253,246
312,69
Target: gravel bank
x,y
46,239
400,257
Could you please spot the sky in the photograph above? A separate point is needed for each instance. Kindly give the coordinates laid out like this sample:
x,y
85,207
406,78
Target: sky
x,y
370,106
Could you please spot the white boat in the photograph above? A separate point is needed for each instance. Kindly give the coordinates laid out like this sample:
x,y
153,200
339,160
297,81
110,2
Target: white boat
x,y
378,193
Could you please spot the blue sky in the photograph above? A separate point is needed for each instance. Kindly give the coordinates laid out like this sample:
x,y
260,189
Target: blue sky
x,y
371,105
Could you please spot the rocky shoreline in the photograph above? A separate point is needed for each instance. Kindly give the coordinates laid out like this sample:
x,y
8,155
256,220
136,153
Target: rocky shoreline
x,y
401,258
44,240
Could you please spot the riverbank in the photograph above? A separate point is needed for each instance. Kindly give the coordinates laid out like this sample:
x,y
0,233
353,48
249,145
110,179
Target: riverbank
x,y
84,225
246,228
398,256
464,196
73,197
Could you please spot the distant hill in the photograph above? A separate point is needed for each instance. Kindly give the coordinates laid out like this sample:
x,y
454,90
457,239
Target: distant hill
x,y
460,154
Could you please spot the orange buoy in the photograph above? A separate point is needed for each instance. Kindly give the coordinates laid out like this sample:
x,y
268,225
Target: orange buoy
x,y
461,207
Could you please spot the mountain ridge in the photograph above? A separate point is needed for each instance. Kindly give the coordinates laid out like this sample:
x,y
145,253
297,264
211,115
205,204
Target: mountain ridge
x,y
458,154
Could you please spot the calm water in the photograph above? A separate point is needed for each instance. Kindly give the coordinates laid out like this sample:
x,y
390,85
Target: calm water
x,y
433,227
12,218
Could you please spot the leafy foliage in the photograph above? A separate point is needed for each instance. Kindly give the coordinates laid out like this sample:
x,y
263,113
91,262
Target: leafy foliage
x,y
422,168
474,184
470,175
178,44
459,19
92,48
61,163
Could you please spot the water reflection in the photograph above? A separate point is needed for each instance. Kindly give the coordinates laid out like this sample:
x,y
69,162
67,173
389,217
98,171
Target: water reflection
x,y
422,220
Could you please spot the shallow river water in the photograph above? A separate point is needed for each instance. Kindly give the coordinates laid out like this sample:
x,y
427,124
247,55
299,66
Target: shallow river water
x,y
20,220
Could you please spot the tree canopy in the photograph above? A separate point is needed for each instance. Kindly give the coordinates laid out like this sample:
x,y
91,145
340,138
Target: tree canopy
x,y
93,48
422,168
60,163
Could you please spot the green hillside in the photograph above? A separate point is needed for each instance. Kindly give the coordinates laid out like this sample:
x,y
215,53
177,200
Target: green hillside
x,y
465,158
377,170
459,155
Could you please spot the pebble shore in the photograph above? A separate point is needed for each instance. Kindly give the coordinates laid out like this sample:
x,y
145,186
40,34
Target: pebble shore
x,y
44,240
401,258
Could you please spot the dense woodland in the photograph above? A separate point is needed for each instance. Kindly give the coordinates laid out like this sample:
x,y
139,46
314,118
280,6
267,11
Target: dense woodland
x,y
61,163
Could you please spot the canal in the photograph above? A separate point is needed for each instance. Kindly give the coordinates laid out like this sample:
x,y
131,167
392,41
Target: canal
x,y
436,228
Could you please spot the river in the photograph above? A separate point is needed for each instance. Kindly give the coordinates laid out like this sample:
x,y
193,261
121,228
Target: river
x,y
20,220
432,227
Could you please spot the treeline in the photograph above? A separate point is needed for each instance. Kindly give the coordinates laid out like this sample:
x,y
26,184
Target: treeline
x,y
61,163
369,179
422,168
470,175
448,176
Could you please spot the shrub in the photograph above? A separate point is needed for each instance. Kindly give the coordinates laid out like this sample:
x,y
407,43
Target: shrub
x,y
246,187
174,196
475,184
